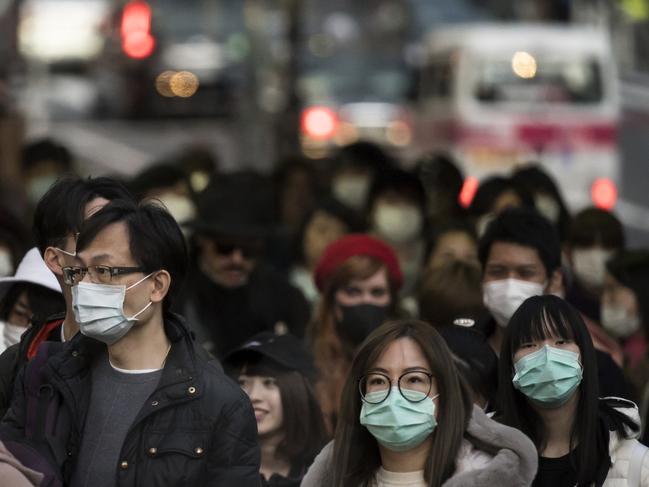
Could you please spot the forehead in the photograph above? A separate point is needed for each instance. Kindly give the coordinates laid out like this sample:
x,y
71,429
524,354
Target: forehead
x,y
513,255
110,246
400,354
379,278
93,206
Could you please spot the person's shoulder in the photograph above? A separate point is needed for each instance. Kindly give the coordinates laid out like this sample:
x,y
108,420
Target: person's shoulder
x,y
219,389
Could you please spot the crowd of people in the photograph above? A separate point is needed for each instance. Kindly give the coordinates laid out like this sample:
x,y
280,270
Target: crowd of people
x,y
338,323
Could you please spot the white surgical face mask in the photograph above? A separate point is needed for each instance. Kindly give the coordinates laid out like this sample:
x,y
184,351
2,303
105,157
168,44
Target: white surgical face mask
x,y
99,310
38,186
6,266
11,333
547,206
618,321
398,223
589,266
503,297
351,190
182,208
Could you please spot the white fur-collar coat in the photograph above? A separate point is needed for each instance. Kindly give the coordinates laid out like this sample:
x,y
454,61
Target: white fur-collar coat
x,y
511,462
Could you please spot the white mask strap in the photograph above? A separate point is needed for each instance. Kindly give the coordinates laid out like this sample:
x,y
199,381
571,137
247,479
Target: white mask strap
x,y
140,281
134,317
71,254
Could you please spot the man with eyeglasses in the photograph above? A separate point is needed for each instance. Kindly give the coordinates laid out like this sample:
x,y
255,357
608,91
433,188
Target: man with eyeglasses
x,y
231,294
137,404
58,218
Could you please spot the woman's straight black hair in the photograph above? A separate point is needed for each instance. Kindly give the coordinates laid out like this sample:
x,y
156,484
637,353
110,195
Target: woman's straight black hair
x,y
539,318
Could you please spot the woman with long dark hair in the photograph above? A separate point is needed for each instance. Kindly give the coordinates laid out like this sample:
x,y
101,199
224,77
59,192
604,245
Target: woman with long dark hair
x,y
407,418
549,390
277,373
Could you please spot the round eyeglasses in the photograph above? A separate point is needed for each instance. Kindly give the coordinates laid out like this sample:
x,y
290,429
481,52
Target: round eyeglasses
x,y
414,386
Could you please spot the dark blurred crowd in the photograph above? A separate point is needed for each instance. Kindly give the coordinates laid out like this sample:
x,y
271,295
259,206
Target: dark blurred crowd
x,y
330,290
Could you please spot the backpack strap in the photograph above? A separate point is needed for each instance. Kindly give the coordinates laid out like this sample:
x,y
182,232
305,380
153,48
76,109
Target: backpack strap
x,y
638,454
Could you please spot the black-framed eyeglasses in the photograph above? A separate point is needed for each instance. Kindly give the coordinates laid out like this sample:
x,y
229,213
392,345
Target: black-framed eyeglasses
x,y
102,274
414,386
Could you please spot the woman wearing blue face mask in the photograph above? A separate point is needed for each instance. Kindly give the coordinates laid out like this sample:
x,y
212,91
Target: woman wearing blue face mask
x,y
406,418
549,390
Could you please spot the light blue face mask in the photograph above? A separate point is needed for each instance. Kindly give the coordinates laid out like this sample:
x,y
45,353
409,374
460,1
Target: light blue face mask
x,y
549,376
397,423
99,310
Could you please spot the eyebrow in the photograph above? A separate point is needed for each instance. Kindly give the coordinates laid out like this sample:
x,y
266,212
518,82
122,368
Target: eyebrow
x,y
408,369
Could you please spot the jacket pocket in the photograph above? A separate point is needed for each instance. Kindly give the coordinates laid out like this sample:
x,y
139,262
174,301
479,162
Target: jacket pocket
x,y
176,457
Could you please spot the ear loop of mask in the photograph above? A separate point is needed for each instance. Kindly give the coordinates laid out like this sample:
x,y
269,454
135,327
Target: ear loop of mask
x,y
71,254
134,317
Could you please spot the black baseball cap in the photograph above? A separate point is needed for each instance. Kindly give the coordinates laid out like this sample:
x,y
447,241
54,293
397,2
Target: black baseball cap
x,y
286,350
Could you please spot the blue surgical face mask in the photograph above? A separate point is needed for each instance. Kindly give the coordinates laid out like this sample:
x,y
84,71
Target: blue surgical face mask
x,y
99,310
399,424
549,376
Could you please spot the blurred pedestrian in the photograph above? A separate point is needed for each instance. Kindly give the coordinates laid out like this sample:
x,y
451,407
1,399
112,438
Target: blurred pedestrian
x,y
548,201
494,195
443,182
450,291
594,236
521,257
168,184
32,294
357,166
58,219
452,239
277,373
136,400
328,221
359,279
407,418
396,214
231,293
14,242
625,312
475,360
43,161
549,390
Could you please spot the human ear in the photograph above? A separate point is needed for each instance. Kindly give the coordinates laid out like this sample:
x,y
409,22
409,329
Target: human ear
x,y
555,284
53,261
161,284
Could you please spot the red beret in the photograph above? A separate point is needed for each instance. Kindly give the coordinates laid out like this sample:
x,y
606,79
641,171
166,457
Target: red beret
x,y
349,246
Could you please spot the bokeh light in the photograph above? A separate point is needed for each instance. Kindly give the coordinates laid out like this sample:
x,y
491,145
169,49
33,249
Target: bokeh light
x,y
524,64
184,84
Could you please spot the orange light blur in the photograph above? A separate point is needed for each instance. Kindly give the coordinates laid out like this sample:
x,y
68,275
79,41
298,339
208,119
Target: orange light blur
x,y
469,189
604,194
319,122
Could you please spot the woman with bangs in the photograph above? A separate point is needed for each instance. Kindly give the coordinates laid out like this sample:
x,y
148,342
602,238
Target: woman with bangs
x,y
277,373
408,419
549,390
358,277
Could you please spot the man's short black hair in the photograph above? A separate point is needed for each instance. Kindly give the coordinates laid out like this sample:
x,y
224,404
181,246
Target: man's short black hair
x,y
525,227
155,239
60,212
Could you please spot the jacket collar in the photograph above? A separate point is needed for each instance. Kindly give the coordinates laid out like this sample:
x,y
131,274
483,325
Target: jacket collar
x,y
181,377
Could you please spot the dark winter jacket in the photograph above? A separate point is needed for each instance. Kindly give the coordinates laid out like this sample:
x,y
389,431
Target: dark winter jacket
x,y
196,428
14,357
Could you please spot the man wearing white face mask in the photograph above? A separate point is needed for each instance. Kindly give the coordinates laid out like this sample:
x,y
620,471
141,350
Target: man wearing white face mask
x,y
136,397
58,217
521,257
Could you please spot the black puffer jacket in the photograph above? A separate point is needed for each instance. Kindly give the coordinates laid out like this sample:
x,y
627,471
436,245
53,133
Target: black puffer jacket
x,y
196,428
